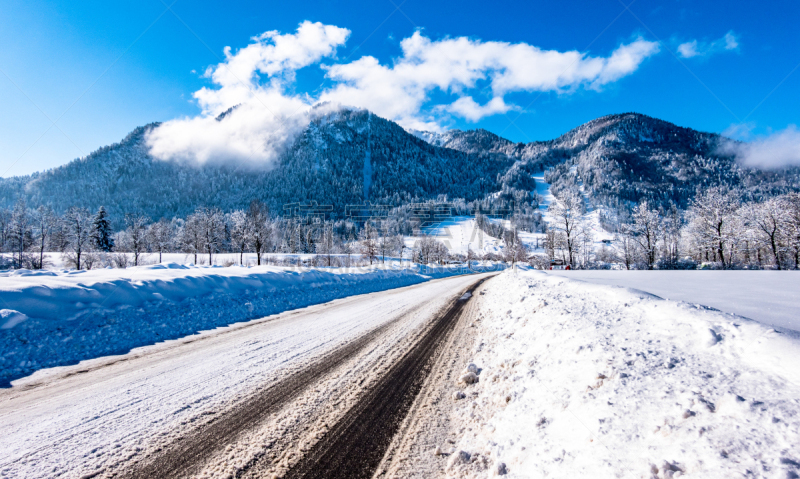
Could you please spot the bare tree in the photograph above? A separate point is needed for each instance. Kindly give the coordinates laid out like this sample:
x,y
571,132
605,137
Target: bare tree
x,y
471,256
671,233
241,232
20,234
567,212
399,246
208,225
627,245
45,222
646,229
260,228
426,250
327,242
79,224
5,228
135,235
713,222
159,236
368,243
768,220
792,202
191,237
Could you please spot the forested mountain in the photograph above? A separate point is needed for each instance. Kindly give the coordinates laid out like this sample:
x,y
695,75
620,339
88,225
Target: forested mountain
x,y
623,159
345,158
351,157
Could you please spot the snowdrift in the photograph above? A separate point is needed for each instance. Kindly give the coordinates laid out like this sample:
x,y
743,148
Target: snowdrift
x,y
583,380
54,318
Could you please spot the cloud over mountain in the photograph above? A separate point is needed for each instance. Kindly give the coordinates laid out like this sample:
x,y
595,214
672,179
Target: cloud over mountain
x,y
260,78
779,150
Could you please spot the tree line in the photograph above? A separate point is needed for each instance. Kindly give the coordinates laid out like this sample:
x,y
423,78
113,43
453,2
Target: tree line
x,y
717,230
89,240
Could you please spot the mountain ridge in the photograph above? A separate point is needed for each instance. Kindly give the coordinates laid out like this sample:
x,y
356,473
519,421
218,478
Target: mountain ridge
x,y
617,159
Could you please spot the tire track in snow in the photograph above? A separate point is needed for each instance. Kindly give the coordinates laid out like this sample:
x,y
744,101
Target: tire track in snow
x,y
354,447
190,452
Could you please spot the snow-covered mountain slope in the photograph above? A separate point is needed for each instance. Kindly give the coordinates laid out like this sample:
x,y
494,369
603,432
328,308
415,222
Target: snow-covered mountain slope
x,y
326,164
351,157
629,157
460,234
583,380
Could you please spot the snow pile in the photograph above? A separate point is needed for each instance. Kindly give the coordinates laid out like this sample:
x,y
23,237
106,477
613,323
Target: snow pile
x,y
582,380
53,318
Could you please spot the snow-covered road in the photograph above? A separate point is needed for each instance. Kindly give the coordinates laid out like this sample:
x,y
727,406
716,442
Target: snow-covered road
x,y
104,415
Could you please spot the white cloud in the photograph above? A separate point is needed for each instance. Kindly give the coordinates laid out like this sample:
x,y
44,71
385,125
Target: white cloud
x,y
458,65
468,108
260,76
701,49
267,119
778,150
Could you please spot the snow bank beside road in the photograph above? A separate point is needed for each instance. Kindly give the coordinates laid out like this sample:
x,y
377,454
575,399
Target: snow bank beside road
x,y
582,380
55,318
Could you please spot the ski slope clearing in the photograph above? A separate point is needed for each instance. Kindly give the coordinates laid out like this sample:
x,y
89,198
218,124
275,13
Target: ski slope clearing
x,y
246,400
54,318
769,297
583,380
460,234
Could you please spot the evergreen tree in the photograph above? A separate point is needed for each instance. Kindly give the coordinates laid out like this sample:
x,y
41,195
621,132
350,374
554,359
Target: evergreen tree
x,y
101,231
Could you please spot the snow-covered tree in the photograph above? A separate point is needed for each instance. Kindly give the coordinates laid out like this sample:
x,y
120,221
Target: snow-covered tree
x,y
191,236
792,202
135,235
20,232
767,221
368,241
646,229
627,245
260,229
671,237
160,236
79,229
567,212
44,221
471,256
101,231
208,226
713,224
241,231
327,242
5,228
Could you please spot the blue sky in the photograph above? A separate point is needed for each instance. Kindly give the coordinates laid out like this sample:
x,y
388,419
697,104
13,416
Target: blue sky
x,y
80,75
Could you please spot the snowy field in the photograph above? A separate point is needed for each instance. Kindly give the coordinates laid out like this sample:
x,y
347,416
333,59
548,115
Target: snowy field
x,y
770,297
585,380
53,318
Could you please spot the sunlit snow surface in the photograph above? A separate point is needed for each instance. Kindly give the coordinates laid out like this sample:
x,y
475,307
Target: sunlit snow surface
x,y
53,318
586,380
769,297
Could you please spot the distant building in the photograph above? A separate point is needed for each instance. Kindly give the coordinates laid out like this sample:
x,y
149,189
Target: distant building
x,y
559,264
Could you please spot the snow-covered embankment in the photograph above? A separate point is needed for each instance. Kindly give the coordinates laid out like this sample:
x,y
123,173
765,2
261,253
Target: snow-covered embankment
x,y
53,318
582,380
